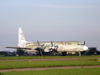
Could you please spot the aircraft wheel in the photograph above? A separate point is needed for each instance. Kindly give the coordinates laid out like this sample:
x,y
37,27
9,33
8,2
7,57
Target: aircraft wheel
x,y
63,53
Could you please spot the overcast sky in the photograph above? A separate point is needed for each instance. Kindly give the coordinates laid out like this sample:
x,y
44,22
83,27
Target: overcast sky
x,y
50,20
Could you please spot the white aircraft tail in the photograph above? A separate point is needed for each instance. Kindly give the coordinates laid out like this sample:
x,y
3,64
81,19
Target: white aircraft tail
x,y
21,38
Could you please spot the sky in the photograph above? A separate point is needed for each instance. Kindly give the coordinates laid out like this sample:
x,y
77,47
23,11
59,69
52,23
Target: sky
x,y
50,20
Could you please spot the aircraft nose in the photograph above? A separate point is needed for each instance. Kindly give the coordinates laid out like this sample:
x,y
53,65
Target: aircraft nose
x,y
85,48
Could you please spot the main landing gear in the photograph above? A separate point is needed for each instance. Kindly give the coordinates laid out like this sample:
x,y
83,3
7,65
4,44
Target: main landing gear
x,y
79,53
63,54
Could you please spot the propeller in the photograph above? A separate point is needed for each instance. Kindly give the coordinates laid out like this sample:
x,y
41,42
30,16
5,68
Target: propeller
x,y
39,47
53,48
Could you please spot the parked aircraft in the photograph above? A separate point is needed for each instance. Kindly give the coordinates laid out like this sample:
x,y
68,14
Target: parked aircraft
x,y
62,47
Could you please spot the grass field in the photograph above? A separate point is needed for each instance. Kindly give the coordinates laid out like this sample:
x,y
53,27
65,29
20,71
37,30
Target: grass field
x,y
82,71
39,57
31,64
86,61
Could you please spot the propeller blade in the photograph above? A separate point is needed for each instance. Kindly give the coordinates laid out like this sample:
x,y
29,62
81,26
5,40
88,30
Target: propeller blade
x,y
38,42
40,51
49,48
36,48
51,44
56,46
42,45
53,52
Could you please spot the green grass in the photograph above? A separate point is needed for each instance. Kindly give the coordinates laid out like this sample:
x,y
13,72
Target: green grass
x,y
38,57
91,59
82,71
28,64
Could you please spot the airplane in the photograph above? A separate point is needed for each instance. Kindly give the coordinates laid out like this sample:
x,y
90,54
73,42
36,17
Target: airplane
x,y
60,46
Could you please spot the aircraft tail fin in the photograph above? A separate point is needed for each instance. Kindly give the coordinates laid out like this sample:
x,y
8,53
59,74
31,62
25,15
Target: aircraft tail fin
x,y
21,38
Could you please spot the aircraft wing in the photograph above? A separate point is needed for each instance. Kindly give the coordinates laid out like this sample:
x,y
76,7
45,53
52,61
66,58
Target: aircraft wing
x,y
18,48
